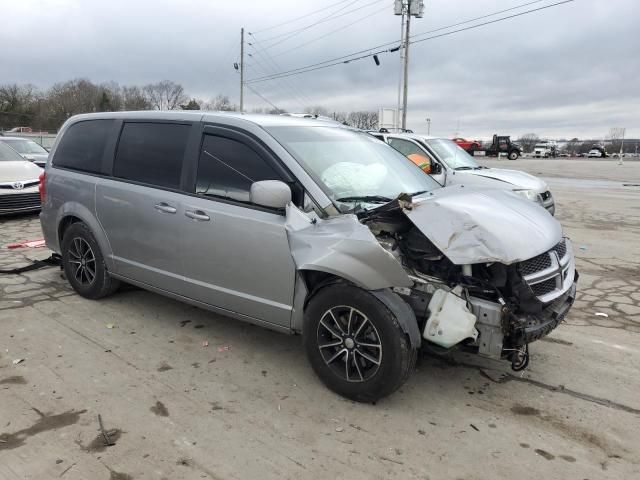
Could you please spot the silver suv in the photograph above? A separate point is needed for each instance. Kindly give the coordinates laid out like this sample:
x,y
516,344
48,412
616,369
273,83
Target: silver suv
x,y
305,227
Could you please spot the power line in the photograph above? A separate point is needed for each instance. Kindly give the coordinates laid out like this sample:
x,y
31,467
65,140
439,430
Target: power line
x,y
273,66
278,54
330,17
352,56
317,22
257,94
395,42
300,17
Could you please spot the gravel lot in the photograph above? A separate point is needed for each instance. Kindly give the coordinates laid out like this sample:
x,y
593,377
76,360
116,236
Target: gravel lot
x,y
249,406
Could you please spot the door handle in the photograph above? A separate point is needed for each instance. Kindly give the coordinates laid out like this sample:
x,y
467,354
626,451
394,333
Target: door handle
x,y
197,215
164,207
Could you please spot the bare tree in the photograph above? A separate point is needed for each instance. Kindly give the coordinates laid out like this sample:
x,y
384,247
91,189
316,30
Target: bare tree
x,y
221,103
317,110
616,137
363,119
528,141
133,98
16,104
165,95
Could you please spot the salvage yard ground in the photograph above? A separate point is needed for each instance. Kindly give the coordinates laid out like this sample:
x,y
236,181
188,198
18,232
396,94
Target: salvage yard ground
x,y
183,393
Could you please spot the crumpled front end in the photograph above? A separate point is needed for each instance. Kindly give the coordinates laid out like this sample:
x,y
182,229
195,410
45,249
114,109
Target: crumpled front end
x,y
515,292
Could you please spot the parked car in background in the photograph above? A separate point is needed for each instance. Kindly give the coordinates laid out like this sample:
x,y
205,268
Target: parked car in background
x,y
597,151
468,145
545,150
29,149
451,165
305,227
19,181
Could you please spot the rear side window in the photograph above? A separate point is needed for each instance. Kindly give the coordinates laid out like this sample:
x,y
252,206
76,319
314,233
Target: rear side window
x,y
227,168
82,146
151,153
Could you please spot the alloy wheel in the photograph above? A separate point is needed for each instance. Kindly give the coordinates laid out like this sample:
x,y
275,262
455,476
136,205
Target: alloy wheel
x,y
349,343
82,260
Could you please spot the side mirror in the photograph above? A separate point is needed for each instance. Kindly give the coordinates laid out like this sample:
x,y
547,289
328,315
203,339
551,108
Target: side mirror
x,y
270,193
436,168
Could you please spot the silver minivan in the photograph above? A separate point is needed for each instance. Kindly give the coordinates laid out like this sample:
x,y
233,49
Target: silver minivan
x,y
305,227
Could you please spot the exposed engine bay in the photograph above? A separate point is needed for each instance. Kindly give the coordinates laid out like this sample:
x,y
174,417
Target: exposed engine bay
x,y
491,308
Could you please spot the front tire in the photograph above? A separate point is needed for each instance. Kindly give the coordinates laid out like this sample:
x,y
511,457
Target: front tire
x,y
513,155
355,344
83,263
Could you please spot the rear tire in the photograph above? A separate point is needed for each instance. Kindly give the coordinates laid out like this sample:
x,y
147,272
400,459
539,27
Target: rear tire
x,y
84,265
355,344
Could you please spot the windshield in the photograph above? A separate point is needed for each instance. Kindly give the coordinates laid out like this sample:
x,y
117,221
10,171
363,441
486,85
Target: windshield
x,y
8,154
25,147
451,154
352,167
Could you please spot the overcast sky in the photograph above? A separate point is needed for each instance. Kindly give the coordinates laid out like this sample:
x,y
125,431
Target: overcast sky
x,y
571,70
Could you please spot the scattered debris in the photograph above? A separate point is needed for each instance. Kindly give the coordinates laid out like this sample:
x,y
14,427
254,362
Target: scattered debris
x,y
205,344
474,427
422,432
184,322
28,244
105,436
339,429
18,360
224,348
583,247
110,326
601,314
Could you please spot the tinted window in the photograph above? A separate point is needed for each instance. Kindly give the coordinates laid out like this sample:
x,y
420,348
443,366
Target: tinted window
x,y
151,153
227,168
82,146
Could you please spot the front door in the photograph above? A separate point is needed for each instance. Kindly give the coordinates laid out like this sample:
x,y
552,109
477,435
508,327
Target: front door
x,y
235,254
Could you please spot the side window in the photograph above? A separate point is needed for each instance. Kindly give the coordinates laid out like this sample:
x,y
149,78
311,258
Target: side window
x,y
82,146
151,153
406,148
227,168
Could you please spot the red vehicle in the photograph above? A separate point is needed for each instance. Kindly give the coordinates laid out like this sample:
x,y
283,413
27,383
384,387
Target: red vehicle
x,y
468,145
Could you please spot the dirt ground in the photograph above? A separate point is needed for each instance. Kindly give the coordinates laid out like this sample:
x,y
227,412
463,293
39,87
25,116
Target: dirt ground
x,y
247,405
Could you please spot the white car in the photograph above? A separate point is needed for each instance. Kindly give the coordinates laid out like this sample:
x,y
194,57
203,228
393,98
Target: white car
x,y
595,153
19,180
449,164
28,149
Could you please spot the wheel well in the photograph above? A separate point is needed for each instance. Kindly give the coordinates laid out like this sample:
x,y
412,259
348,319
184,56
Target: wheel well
x,y
316,280
64,224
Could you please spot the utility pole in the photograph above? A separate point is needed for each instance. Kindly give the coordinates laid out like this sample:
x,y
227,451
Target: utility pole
x,y
428,126
400,76
407,9
241,69
405,86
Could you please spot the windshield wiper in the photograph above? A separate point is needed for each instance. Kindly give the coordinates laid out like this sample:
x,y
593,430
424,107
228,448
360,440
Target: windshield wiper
x,y
463,168
365,198
418,193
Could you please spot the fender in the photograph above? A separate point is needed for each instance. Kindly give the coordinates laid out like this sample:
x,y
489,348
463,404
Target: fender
x,y
75,209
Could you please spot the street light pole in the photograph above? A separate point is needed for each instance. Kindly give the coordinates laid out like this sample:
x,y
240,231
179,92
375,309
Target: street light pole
x,y
428,126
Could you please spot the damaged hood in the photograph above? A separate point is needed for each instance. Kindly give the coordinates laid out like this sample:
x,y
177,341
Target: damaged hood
x,y
517,179
484,225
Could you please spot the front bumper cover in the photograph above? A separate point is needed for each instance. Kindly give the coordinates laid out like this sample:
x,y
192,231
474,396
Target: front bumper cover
x,y
529,328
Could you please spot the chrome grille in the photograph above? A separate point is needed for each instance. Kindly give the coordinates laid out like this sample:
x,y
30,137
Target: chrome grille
x,y
550,274
19,201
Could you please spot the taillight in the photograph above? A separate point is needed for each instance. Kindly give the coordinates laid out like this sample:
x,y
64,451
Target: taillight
x,y
41,187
